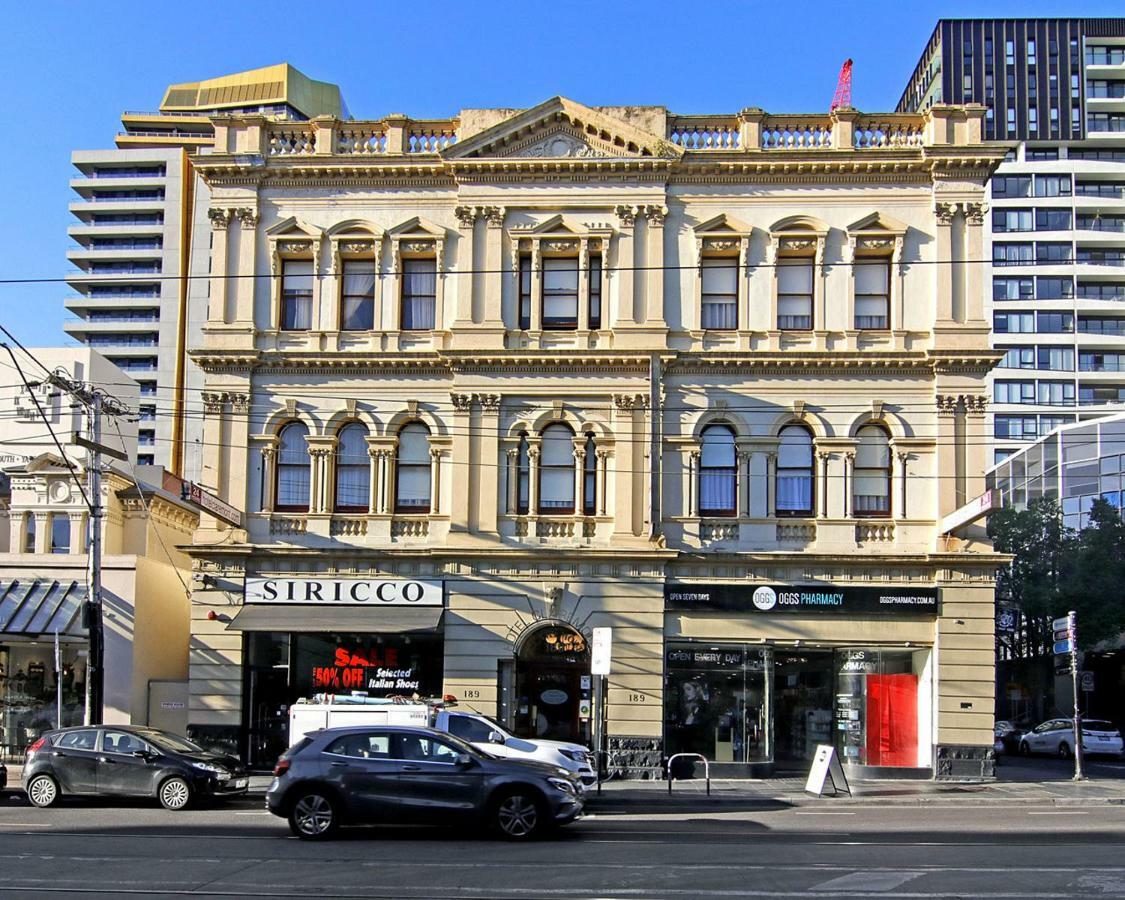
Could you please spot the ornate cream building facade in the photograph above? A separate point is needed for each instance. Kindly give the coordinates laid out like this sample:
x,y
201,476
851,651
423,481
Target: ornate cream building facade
x,y
710,381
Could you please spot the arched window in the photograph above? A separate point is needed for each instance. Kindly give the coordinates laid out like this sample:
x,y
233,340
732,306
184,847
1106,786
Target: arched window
x,y
556,471
412,469
353,469
794,495
718,473
523,476
590,478
871,488
293,468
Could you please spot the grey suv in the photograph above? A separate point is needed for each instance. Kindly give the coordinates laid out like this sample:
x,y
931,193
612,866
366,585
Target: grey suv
x,y
381,774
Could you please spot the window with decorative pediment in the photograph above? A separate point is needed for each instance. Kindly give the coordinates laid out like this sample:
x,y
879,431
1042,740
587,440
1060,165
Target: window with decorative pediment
x,y
797,252
560,293
353,469
355,252
721,245
876,243
293,471
357,295
560,271
718,472
294,250
412,469
417,250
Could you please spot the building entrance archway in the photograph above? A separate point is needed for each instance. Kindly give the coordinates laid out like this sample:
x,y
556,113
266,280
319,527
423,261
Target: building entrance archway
x,y
550,663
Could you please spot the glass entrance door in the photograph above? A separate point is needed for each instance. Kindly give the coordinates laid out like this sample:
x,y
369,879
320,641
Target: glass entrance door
x,y
803,705
549,669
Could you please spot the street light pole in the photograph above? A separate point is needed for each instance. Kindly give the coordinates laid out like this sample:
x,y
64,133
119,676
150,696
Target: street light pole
x,y
1072,627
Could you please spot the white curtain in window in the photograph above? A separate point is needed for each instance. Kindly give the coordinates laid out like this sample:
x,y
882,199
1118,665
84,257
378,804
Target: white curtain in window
x,y
556,468
293,467
413,467
872,293
419,294
296,294
719,293
794,293
353,468
560,291
872,488
794,470
357,312
718,471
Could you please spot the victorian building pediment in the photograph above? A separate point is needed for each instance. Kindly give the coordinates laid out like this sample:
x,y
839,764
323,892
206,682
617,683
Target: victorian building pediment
x,y
562,129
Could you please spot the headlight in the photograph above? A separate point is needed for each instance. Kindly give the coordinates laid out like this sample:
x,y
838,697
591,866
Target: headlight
x,y
211,770
577,756
561,784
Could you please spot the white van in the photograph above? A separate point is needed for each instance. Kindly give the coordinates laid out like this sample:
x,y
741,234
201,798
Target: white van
x,y
335,710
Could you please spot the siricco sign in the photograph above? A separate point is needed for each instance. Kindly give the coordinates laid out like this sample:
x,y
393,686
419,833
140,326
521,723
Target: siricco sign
x,y
349,591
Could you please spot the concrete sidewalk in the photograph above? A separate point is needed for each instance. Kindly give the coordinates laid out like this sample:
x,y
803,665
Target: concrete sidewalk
x,y
776,793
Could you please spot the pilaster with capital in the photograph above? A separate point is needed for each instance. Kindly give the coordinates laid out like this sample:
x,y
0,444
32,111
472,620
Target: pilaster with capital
x,y
600,480
486,433
654,263
533,480
466,254
244,289
822,499
623,270
462,428
849,483
512,455
492,315
220,263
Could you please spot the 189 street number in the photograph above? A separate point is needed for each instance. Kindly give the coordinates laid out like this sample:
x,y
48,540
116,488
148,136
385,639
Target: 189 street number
x,y
637,698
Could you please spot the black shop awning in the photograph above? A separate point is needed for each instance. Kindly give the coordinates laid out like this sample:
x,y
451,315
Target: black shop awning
x,y
348,619
40,607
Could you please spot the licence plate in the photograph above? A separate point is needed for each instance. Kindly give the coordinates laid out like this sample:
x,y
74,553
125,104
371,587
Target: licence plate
x,y
241,782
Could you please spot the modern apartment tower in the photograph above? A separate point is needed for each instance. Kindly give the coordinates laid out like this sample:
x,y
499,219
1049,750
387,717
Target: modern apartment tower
x,y
141,249
1057,218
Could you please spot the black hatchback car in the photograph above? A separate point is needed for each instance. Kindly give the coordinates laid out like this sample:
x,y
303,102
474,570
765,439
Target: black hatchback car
x,y
388,775
127,761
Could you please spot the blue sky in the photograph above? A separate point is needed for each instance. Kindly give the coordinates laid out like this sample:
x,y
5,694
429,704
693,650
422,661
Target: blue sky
x,y
69,70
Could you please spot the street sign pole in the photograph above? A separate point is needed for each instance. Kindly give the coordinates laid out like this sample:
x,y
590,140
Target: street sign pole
x,y
1072,633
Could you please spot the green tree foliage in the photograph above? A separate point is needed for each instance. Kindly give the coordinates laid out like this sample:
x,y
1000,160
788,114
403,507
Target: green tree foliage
x,y
1056,570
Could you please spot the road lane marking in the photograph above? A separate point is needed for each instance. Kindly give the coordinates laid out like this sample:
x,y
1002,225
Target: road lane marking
x,y
818,813
1057,813
867,882
25,825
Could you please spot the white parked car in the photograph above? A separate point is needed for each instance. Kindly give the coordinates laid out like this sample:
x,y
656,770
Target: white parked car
x,y
486,734
1056,737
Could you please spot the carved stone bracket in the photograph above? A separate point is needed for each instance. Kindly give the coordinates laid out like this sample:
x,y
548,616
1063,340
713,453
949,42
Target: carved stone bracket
x,y
629,402
656,215
247,216
627,215
489,402
461,402
944,212
220,218
975,212
213,403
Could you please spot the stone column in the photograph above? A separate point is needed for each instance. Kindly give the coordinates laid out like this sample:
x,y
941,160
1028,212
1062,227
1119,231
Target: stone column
x,y
390,489
536,287
435,480
943,253
898,501
771,481
375,474
513,457
623,270
579,480
742,458
42,533
600,479
584,285
459,511
245,289
694,458
823,479
487,456
974,250
466,255
214,405
220,261
654,261
849,479
493,312
533,481
269,478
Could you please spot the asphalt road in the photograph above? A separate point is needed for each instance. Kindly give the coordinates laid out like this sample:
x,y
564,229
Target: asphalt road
x,y
1045,768
116,850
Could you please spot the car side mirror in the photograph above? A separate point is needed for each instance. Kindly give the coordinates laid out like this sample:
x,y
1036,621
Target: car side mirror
x,y
463,760
495,737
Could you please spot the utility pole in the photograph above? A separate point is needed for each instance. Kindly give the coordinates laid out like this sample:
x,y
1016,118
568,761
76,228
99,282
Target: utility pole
x,y
95,675
97,403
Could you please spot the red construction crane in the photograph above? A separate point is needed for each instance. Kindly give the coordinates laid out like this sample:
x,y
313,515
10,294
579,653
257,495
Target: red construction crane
x,y
843,87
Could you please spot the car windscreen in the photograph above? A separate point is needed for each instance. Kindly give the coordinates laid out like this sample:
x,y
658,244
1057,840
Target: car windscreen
x,y
167,741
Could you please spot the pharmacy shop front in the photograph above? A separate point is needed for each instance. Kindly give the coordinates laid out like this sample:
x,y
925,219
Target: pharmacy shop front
x,y
757,676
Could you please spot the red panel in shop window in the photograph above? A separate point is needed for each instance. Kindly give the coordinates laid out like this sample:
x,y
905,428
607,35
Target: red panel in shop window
x,y
892,720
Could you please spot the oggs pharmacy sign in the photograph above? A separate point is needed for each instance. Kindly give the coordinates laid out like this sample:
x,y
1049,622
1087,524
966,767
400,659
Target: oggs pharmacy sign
x,y
343,591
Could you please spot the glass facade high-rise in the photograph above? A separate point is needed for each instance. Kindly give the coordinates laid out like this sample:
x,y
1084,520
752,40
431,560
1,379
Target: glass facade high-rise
x,y
1056,89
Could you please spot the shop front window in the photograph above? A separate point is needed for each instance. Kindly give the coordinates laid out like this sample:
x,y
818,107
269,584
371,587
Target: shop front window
x,y
29,692
882,710
717,702
283,668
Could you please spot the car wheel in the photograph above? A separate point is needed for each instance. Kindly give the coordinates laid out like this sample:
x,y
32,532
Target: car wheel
x,y
43,791
314,817
1064,750
174,793
518,816
1025,749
